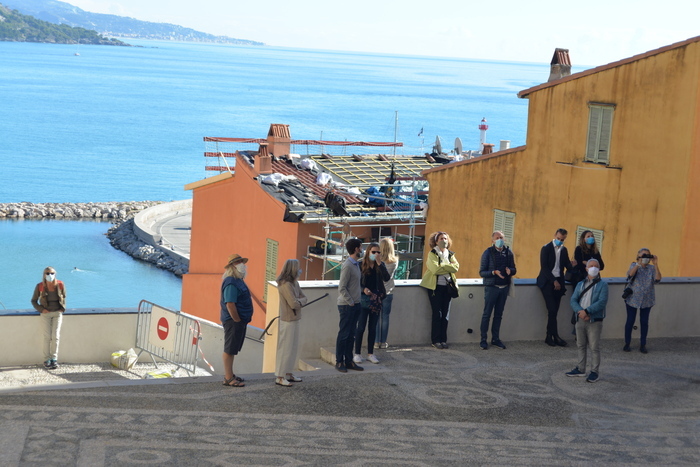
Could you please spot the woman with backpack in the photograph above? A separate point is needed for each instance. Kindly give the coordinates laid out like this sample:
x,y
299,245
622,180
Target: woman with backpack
x,y
49,299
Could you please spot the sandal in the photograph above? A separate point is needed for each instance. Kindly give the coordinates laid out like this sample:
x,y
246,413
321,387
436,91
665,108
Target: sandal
x,y
283,382
233,383
293,379
238,378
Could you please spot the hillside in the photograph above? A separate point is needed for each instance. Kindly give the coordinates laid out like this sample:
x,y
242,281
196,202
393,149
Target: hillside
x,y
58,12
16,27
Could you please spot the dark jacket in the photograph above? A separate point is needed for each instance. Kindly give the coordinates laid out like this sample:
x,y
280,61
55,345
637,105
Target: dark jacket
x,y
547,261
488,264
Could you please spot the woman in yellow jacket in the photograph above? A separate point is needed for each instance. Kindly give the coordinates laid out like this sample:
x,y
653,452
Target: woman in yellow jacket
x,y
441,282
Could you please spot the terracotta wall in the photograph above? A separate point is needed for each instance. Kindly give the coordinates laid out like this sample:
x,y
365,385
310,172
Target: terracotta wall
x,y
646,198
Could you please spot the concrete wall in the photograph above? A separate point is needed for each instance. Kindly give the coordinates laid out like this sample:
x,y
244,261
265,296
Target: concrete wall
x,y
525,317
144,221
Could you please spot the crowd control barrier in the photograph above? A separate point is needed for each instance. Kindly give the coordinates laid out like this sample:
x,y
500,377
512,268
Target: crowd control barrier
x,y
170,335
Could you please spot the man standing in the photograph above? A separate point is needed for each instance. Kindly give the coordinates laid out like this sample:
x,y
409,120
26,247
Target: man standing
x,y
497,268
588,302
236,313
349,295
554,258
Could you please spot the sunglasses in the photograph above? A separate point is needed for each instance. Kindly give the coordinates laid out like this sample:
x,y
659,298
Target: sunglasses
x,y
375,252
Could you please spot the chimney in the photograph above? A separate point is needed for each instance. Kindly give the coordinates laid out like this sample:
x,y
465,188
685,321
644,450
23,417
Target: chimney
x,y
505,144
488,149
263,161
561,64
278,139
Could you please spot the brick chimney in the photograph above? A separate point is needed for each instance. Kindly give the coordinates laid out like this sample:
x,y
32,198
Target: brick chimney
x,y
560,65
278,139
263,161
488,149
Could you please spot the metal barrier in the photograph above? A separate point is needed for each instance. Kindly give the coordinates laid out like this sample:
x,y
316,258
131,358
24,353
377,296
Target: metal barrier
x,y
170,335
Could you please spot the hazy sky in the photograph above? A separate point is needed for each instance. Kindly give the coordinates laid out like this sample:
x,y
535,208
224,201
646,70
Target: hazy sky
x,y
595,31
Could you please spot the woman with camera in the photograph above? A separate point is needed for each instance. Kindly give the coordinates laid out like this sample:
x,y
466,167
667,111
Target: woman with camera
x,y
643,274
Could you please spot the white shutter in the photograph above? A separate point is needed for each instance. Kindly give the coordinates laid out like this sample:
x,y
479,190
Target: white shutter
x,y
605,134
505,222
600,119
598,234
594,118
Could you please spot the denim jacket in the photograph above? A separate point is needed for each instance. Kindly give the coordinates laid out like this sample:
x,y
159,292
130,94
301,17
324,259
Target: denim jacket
x,y
599,300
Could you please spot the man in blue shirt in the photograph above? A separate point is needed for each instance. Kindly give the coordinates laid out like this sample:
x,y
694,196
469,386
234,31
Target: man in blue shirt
x,y
236,313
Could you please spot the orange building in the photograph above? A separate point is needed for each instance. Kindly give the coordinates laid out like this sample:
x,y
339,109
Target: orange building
x,y
272,206
614,149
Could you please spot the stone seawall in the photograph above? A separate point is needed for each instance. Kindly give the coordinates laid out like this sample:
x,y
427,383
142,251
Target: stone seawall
x,y
111,210
121,235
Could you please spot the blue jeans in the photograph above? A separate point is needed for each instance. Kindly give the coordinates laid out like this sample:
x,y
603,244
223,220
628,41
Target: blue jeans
x,y
494,302
346,332
643,324
383,324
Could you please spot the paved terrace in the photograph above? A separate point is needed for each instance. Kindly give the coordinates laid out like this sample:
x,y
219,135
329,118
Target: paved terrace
x,y
419,406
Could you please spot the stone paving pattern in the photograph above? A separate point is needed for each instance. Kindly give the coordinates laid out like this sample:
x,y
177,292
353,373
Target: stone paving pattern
x,y
419,406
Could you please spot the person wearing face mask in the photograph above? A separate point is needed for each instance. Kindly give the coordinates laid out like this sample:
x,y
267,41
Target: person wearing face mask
x,y
554,258
588,301
585,250
49,299
292,299
349,308
497,268
374,274
643,273
438,278
236,312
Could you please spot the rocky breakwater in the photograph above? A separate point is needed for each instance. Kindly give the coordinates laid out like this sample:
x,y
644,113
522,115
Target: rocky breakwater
x,y
114,210
122,237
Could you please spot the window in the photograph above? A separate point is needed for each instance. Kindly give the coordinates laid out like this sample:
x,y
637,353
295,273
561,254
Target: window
x,y
505,222
598,234
270,264
600,117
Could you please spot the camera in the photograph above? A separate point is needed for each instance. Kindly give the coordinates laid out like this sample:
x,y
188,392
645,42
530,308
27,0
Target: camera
x,y
626,293
647,255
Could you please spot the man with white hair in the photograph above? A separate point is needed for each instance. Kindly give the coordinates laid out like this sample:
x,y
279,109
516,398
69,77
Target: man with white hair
x,y
236,313
588,302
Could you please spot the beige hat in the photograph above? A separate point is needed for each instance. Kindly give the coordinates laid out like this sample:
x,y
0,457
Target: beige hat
x,y
235,259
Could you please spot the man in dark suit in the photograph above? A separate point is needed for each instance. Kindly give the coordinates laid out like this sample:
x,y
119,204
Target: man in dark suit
x,y
554,258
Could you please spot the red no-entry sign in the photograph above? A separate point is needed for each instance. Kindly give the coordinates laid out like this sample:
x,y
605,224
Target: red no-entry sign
x,y
163,329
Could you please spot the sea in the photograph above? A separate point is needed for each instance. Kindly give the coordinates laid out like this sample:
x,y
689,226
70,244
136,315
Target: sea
x,y
101,123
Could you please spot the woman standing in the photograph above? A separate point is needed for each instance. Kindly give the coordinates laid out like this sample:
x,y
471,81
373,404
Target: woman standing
x,y
440,279
374,274
291,301
49,299
586,249
386,246
642,276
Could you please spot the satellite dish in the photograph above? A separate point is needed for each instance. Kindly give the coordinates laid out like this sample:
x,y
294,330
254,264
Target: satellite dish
x,y
438,145
458,146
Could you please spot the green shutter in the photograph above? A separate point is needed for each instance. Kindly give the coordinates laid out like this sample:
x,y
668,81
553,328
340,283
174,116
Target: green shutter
x,y
270,264
599,133
505,222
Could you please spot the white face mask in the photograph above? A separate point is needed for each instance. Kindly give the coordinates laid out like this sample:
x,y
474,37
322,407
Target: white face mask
x,y
645,260
241,267
51,277
593,271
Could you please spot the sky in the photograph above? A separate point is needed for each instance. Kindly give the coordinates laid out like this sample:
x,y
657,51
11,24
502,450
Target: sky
x,y
596,32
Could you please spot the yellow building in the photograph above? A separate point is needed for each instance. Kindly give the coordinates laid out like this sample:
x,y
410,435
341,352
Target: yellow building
x,y
614,149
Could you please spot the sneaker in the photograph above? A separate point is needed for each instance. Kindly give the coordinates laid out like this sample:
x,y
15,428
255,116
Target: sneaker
x,y
54,365
626,348
483,344
384,345
643,349
577,372
357,358
48,363
499,344
592,378
444,345
377,345
437,345
372,358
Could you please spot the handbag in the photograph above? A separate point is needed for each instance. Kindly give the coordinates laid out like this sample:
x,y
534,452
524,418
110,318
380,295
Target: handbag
x,y
452,289
628,288
595,281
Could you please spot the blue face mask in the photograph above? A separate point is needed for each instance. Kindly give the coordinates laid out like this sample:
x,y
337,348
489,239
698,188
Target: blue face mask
x,y
499,243
590,240
372,257
558,242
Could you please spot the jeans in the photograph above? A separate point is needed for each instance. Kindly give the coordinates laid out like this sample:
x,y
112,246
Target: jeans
x,y
373,318
383,324
552,300
588,335
346,332
51,322
440,305
643,324
494,302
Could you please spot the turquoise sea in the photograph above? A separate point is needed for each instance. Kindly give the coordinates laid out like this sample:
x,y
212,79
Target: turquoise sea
x,y
126,123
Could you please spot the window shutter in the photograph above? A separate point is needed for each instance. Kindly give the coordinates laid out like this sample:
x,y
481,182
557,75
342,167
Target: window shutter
x,y
598,234
505,222
603,156
270,264
594,118
599,133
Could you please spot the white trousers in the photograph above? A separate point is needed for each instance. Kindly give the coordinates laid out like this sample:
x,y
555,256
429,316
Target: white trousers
x,y
287,347
51,324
